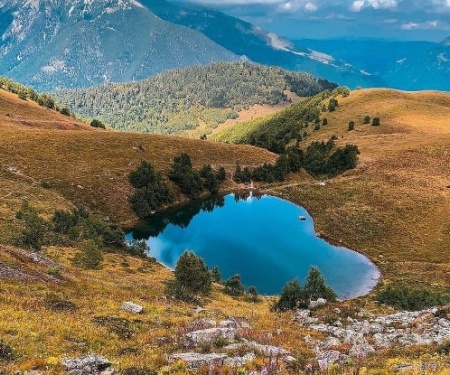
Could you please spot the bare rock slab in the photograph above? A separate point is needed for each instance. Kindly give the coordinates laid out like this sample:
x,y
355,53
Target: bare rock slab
x,y
132,307
210,336
92,364
196,360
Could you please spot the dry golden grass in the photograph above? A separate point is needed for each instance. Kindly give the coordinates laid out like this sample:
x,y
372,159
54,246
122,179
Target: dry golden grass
x,y
90,167
394,207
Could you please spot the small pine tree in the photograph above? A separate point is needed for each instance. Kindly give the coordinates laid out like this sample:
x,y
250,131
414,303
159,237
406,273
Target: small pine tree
x,y
234,287
367,120
216,277
351,126
192,277
292,297
34,229
325,121
89,256
376,121
315,286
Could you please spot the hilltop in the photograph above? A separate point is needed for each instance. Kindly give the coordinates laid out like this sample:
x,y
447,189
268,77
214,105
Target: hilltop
x,y
191,101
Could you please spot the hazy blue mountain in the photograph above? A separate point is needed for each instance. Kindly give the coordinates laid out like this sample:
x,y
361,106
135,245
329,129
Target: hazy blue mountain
x,y
407,65
74,43
245,39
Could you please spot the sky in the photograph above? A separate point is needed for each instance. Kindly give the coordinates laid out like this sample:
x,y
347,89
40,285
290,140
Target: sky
x,y
319,19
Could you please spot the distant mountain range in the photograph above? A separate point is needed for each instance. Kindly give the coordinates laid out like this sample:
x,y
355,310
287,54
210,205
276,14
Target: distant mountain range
x,y
53,44
406,65
76,43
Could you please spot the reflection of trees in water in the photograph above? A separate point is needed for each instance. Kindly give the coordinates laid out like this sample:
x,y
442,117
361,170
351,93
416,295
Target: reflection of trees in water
x,y
180,216
243,195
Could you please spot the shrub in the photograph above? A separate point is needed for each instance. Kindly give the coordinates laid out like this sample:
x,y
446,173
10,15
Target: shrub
x,y
216,277
409,298
332,104
89,255
252,294
376,121
97,124
138,248
234,287
34,230
292,297
367,120
6,352
192,277
351,126
325,121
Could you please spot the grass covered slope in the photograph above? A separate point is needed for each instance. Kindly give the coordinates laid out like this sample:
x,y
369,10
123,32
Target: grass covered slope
x,y
395,206
88,167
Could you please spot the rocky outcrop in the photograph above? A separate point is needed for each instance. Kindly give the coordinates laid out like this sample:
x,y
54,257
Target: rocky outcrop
x,y
92,364
210,336
196,360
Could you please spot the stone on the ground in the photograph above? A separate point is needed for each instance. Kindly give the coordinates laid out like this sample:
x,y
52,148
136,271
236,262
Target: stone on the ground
x,y
200,324
209,336
196,360
240,361
92,364
132,307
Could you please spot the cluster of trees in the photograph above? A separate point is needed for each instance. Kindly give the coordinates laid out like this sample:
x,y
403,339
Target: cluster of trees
x,y
411,298
319,159
375,122
191,181
323,158
294,296
77,228
44,100
177,100
152,192
193,279
290,161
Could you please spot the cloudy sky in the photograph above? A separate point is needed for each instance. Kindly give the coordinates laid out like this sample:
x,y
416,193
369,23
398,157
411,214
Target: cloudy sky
x,y
391,19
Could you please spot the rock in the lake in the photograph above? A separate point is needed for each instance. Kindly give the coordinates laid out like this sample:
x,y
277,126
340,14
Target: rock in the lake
x,y
92,364
132,307
209,336
196,360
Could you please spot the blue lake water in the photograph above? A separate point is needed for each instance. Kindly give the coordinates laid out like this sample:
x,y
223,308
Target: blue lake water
x,y
261,238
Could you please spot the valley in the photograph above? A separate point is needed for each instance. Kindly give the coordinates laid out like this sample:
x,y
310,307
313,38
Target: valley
x,y
394,208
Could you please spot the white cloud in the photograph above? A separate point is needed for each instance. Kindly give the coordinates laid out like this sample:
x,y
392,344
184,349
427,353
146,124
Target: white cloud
x,y
358,5
420,25
296,6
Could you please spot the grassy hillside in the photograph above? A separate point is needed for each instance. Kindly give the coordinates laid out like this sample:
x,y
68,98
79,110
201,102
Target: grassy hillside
x,y
394,207
185,100
42,152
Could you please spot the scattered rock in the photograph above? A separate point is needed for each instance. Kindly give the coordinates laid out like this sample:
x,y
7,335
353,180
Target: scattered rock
x,y
196,360
197,309
319,302
404,367
288,359
132,308
240,361
267,350
92,364
361,351
81,187
228,324
209,336
200,324
329,357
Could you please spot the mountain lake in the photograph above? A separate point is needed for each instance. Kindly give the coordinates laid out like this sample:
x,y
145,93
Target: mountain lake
x,y
266,240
